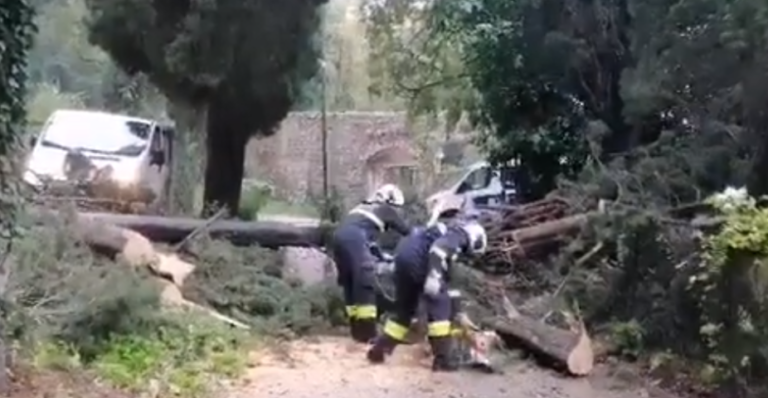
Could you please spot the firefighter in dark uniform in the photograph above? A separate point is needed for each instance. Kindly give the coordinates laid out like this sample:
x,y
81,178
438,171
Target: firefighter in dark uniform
x,y
422,269
351,250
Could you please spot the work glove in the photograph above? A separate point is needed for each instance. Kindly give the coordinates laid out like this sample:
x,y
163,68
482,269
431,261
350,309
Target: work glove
x,y
433,284
376,251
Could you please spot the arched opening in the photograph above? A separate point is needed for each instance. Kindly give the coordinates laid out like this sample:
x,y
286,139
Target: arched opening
x,y
394,164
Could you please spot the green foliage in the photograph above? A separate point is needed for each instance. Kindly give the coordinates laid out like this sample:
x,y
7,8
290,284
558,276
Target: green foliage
x,y
343,82
557,93
254,199
213,55
62,57
331,208
61,54
415,59
73,297
76,312
248,284
628,338
44,99
16,35
732,281
183,356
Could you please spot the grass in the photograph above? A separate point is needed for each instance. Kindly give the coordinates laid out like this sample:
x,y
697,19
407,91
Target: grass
x,y
277,207
253,203
184,358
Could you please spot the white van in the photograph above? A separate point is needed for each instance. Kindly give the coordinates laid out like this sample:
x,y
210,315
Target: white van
x,y
138,150
482,184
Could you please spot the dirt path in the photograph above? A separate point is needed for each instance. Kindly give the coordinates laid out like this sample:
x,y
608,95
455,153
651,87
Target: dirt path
x,y
333,367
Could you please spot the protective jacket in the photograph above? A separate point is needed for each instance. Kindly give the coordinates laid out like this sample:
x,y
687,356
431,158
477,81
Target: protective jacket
x,y
350,246
442,254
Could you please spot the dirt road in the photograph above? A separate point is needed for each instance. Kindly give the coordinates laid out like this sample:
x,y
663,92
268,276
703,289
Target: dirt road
x,y
333,367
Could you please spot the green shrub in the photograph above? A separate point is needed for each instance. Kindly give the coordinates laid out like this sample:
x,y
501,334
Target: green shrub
x,y
72,311
247,284
253,199
732,286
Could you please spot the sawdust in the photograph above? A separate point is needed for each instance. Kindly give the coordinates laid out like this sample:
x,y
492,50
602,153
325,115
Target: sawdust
x,y
335,367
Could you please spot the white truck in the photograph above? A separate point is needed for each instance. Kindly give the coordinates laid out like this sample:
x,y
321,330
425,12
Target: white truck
x,y
135,151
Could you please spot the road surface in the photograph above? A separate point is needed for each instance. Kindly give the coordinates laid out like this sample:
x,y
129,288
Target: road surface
x,y
334,367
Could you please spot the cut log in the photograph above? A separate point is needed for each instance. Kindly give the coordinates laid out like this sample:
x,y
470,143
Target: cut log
x,y
104,239
136,251
242,233
560,349
549,229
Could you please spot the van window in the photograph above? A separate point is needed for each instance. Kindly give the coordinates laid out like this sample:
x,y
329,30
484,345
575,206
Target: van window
x,y
477,179
96,132
157,140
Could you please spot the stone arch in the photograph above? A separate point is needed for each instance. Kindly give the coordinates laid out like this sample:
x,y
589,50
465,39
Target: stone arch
x,y
391,164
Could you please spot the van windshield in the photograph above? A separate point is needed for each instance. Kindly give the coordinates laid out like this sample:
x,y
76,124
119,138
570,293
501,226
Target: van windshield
x,y
96,132
448,179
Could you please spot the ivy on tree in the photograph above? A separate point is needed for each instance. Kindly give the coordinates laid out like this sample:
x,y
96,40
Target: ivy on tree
x,y
243,60
16,32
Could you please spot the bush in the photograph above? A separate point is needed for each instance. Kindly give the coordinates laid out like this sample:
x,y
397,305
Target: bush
x,y
247,284
732,284
70,310
253,199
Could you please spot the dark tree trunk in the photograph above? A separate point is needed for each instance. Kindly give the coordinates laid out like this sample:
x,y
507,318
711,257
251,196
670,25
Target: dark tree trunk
x,y
756,118
622,137
225,142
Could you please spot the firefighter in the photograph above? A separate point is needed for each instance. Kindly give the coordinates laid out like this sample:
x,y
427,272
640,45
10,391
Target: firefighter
x,y
351,249
422,269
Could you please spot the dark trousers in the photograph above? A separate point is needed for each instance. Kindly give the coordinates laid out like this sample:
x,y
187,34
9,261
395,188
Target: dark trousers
x,y
355,268
409,287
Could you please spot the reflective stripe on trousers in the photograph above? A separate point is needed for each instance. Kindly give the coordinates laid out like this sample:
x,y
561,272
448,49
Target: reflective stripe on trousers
x,y
439,329
395,330
361,311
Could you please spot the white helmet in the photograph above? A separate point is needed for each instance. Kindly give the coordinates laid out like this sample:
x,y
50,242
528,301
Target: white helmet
x,y
478,239
390,194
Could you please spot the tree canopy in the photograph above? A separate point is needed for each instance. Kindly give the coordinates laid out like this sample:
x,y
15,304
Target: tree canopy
x,y
242,60
560,84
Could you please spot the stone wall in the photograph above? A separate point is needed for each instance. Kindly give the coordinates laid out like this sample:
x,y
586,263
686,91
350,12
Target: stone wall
x,y
363,148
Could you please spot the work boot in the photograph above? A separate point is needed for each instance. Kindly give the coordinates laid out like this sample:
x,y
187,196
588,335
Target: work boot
x,y
382,347
354,329
366,330
444,358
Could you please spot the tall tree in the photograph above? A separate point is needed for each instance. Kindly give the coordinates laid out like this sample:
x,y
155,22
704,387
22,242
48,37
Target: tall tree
x,y
559,82
61,54
415,59
240,61
16,31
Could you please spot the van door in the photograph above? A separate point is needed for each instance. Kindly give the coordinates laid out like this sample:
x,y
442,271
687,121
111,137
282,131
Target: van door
x,y
483,186
158,162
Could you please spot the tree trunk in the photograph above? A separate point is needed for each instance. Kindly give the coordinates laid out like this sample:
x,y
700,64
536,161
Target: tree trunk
x,y
756,120
560,349
97,229
188,150
226,161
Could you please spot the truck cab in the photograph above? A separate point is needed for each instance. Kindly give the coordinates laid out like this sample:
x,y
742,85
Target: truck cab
x,y
137,151
482,183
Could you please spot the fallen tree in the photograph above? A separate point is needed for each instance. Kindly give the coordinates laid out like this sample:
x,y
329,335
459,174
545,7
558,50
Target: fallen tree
x,y
565,350
98,230
135,250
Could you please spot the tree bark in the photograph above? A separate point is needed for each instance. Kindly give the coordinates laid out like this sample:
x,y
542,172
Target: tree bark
x,y
561,349
224,170
189,152
174,230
